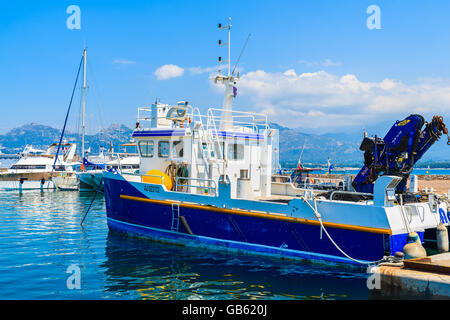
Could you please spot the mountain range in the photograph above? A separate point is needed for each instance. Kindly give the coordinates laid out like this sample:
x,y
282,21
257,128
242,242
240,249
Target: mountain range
x,y
340,148
41,136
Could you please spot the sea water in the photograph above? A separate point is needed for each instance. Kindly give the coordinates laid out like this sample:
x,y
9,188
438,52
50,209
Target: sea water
x,y
46,254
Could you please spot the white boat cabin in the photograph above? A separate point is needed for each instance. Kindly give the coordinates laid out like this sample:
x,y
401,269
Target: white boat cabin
x,y
36,160
195,150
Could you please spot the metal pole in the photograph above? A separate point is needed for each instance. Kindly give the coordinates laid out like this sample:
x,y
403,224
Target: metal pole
x,y
229,47
84,105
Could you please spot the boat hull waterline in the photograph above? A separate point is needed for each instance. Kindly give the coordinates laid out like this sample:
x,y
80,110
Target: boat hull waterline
x,y
132,211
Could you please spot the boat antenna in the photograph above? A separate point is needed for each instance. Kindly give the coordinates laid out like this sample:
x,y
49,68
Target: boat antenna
x,y
220,27
226,119
242,51
301,154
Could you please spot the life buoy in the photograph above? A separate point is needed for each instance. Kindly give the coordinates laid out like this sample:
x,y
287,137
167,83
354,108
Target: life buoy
x,y
157,177
82,167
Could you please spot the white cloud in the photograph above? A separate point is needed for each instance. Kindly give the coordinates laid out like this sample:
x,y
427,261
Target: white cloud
x,y
323,63
124,61
200,70
324,100
168,71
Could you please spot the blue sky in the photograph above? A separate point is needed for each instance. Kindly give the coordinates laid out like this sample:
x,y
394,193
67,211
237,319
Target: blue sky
x,y
308,64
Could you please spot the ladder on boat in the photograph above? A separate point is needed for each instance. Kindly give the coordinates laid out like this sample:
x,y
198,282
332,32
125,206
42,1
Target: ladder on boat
x,y
175,217
209,143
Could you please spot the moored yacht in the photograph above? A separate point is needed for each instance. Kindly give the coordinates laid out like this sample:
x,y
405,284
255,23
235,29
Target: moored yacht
x,y
36,168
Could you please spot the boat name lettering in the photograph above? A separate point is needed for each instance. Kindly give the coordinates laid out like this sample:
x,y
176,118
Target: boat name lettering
x,y
151,188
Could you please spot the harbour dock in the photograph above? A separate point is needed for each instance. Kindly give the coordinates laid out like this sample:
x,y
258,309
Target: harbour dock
x,y
418,278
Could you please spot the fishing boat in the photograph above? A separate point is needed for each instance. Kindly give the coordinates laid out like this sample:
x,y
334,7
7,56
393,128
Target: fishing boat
x,y
36,168
206,180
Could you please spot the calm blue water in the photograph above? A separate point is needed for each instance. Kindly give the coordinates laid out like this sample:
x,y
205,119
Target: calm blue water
x,y
40,237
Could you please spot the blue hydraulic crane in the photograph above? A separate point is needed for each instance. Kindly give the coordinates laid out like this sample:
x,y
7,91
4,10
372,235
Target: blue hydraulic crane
x,y
397,153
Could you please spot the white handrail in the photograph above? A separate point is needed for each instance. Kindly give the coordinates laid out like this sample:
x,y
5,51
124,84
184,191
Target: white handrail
x,y
196,179
144,175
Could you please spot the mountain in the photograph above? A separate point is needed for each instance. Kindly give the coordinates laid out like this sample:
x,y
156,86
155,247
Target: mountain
x,y
316,148
341,148
33,133
41,136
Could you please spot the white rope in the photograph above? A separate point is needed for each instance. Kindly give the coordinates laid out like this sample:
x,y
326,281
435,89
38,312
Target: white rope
x,y
318,216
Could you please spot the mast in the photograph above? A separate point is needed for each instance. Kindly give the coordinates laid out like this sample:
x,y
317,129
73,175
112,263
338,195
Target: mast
x,y
83,112
229,81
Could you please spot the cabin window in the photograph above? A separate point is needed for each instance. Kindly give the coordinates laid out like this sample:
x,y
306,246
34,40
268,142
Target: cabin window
x,y
178,149
146,149
163,149
28,167
235,151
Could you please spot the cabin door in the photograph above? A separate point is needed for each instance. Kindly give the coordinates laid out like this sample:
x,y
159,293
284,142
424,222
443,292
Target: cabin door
x,y
255,167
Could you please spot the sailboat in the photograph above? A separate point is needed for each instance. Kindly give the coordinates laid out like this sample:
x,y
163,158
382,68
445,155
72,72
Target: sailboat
x,y
89,175
73,181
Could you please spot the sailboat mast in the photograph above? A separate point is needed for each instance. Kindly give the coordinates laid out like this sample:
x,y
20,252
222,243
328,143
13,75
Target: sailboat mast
x,y
83,112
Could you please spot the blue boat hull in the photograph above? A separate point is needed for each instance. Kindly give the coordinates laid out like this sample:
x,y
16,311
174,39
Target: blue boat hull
x,y
206,227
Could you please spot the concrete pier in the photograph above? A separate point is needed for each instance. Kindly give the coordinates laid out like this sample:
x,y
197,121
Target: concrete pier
x,y
427,278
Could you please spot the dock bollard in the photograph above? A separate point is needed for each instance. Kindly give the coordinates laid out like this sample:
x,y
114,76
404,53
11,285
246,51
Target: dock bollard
x,y
413,248
442,238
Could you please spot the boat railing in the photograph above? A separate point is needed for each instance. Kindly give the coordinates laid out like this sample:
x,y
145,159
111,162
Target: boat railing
x,y
180,186
255,122
323,182
251,120
183,185
311,182
281,178
141,115
146,114
141,176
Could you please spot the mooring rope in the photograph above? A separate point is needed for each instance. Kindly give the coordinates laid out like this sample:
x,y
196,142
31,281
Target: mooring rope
x,y
319,217
92,201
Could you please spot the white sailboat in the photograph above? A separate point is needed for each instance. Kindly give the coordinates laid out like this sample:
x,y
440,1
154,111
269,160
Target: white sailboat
x,y
91,170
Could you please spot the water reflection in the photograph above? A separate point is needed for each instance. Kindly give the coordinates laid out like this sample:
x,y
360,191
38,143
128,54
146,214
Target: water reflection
x,y
41,236
160,271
